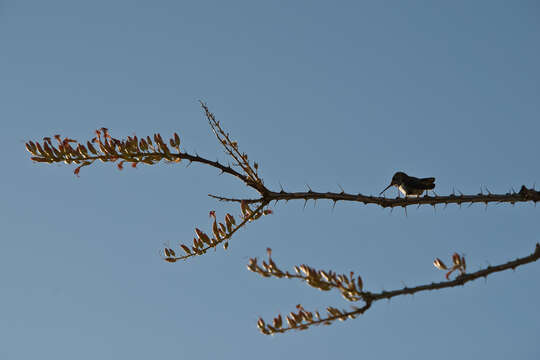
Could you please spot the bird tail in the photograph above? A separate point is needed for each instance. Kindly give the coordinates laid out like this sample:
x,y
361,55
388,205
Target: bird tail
x,y
429,182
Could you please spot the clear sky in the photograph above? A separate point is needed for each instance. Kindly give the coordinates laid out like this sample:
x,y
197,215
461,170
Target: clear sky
x,y
319,93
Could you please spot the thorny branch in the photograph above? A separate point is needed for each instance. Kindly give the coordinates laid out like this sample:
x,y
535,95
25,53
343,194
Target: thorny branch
x,y
523,195
351,289
150,151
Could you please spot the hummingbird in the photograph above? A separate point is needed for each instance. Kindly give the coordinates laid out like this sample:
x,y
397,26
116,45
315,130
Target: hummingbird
x,y
410,185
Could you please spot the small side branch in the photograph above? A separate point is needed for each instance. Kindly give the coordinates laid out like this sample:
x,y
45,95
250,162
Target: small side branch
x,y
222,233
231,149
238,200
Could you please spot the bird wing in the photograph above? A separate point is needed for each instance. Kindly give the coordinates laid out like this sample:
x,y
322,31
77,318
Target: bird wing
x,y
425,183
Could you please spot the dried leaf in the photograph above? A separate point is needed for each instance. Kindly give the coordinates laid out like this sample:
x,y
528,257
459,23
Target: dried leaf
x,y
186,249
439,264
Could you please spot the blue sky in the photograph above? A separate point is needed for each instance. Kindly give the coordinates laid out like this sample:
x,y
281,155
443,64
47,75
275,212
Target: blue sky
x,y
319,93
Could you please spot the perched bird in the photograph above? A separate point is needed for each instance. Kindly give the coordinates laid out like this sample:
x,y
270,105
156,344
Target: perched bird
x,y
409,185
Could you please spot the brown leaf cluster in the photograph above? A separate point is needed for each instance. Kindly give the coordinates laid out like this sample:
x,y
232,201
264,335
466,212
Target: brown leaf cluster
x,y
105,148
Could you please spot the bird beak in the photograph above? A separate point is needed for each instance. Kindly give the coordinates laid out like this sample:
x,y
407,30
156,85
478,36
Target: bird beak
x,y
385,189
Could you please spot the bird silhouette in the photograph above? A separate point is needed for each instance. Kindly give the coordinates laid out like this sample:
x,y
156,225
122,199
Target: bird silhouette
x,y
410,185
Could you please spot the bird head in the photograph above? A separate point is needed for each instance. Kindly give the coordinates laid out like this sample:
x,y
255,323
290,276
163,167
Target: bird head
x,y
397,180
